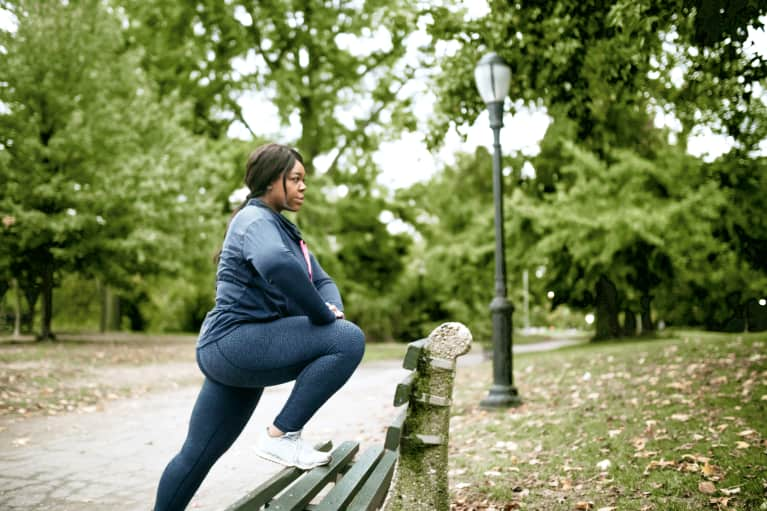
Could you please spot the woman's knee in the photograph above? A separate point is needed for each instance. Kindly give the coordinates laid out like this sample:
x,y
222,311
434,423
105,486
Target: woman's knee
x,y
352,340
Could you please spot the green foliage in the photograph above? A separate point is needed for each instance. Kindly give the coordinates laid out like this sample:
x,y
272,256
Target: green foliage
x,y
190,49
451,270
341,94
603,64
613,206
100,177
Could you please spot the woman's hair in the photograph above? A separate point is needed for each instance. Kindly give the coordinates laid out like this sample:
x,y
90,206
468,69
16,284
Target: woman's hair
x,y
265,164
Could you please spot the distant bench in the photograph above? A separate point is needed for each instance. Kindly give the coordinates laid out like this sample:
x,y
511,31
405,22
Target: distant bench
x,y
409,471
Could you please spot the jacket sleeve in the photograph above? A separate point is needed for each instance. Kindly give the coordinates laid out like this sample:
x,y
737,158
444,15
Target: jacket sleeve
x,y
264,249
325,285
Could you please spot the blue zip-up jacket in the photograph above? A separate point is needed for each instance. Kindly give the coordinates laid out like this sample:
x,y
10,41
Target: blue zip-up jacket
x,y
263,275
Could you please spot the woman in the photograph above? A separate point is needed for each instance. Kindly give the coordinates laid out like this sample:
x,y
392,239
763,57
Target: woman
x,y
278,317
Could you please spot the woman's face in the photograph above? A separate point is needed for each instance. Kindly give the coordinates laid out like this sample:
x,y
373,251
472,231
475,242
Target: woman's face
x,y
291,197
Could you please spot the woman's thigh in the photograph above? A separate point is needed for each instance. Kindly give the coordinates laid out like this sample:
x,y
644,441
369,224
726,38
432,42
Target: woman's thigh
x,y
265,354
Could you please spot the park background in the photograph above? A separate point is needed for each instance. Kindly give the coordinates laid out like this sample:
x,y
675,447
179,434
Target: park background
x,y
126,125
635,170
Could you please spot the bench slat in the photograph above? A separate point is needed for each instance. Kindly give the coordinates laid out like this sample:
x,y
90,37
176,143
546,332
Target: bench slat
x,y
373,492
264,492
394,431
303,491
349,485
413,352
402,394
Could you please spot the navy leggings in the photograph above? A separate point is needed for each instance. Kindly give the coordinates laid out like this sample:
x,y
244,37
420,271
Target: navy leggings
x,y
320,358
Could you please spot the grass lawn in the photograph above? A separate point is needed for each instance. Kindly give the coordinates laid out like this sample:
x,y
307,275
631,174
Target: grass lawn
x,y
669,424
522,337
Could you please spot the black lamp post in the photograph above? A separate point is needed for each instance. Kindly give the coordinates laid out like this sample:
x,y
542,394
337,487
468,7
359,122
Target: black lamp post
x,y
493,77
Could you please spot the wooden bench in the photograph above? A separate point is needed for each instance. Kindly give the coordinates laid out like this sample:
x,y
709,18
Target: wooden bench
x,y
408,471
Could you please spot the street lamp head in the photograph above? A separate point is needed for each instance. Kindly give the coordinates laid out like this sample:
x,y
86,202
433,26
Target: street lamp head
x,y
493,77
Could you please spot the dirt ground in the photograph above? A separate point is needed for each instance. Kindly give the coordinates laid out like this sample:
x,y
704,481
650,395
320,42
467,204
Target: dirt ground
x,y
84,372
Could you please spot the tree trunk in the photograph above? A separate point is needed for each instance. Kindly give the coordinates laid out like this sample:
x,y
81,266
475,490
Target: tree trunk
x,y
103,308
16,309
47,313
629,323
4,287
647,325
607,326
31,293
110,310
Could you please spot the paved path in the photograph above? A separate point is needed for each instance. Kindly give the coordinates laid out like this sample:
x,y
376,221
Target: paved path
x,y
113,458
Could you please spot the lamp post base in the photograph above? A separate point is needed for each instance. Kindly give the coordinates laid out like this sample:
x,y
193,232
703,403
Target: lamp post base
x,y
501,396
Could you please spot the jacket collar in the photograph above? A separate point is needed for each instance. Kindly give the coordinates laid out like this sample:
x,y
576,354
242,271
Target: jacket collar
x,y
286,224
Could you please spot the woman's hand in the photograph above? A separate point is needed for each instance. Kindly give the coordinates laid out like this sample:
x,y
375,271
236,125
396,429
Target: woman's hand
x,y
334,310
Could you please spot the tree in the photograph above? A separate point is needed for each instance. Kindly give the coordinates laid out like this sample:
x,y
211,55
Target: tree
x,y
98,171
606,68
335,73
447,274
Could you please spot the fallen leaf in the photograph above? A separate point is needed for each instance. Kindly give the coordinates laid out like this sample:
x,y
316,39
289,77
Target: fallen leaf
x,y
719,502
509,446
493,473
707,487
696,458
747,432
742,445
708,470
604,464
689,467
731,491
658,464
584,506
607,508
462,485
681,417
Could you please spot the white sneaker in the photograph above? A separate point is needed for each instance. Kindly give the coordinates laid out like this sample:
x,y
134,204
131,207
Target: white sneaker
x,y
290,450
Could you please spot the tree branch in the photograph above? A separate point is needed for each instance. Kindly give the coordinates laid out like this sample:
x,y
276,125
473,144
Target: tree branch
x,y
360,129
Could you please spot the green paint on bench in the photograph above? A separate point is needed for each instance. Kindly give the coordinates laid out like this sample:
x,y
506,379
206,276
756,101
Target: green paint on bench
x,y
413,352
345,490
262,494
373,492
303,491
402,394
394,431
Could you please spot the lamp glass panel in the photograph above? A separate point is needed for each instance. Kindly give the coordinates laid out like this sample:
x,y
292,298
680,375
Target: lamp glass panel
x,y
493,78
502,80
483,77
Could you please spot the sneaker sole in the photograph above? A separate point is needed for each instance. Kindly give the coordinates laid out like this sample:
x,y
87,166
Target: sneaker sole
x,y
281,461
